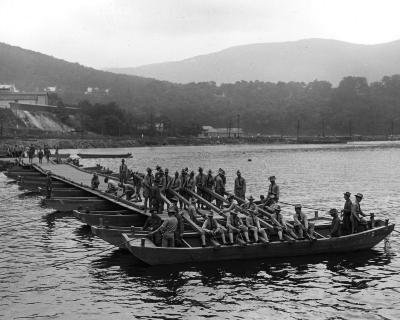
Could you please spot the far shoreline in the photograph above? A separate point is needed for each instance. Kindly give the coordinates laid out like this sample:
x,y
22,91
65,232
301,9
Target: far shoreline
x,y
107,142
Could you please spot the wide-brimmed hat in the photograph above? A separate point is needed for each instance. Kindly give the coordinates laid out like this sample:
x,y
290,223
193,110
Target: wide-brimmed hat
x,y
333,212
250,198
359,195
347,194
297,206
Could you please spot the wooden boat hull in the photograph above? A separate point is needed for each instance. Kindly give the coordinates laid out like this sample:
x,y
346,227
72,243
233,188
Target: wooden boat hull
x,y
99,156
34,184
65,192
70,203
159,256
114,220
112,236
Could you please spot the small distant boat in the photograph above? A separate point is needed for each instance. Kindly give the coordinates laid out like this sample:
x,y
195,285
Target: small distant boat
x,y
104,155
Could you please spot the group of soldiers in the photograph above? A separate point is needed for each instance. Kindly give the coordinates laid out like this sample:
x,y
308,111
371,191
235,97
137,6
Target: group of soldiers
x,y
160,188
31,152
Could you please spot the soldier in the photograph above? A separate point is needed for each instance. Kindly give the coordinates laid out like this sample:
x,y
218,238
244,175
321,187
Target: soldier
x,y
123,172
40,155
282,222
184,181
153,223
240,186
347,213
168,229
147,186
301,224
335,224
235,226
220,186
357,223
273,188
253,224
95,182
251,206
112,186
209,184
212,228
137,182
128,190
200,184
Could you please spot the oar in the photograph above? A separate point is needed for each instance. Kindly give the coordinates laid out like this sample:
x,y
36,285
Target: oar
x,y
260,210
262,222
186,217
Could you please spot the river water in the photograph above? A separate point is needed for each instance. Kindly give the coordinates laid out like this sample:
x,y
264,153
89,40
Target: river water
x,y
100,284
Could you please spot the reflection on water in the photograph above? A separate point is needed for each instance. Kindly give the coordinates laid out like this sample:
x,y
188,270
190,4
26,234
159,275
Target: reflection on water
x,y
100,284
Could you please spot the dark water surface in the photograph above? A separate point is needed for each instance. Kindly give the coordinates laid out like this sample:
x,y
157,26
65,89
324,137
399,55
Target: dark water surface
x,y
105,285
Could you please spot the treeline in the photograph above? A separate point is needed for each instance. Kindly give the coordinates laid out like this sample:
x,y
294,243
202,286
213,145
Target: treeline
x,y
125,105
315,108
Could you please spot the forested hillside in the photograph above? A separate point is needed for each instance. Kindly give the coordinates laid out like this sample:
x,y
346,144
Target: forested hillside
x,y
264,107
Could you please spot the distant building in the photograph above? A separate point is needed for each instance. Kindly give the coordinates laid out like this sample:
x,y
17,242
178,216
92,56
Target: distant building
x,y
32,98
50,89
8,88
209,131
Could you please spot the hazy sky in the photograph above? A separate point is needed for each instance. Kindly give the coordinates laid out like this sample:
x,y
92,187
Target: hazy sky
x,y
120,33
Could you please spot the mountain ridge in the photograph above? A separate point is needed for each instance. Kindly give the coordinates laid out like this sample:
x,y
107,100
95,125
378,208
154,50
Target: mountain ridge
x,y
303,60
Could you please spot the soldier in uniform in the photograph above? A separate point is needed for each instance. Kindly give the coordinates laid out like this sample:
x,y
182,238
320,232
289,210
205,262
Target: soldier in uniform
x,y
358,222
209,184
147,188
240,186
123,172
220,186
200,184
273,188
347,213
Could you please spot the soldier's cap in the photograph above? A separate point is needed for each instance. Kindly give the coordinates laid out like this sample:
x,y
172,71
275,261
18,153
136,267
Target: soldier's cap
x,y
186,169
210,214
200,169
123,160
166,170
262,196
238,172
278,208
177,172
333,212
158,167
174,199
297,206
272,177
347,194
148,169
220,170
209,171
250,198
359,195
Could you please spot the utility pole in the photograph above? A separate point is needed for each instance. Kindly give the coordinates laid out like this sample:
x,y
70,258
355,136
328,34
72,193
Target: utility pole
x,y
350,129
391,129
238,126
298,129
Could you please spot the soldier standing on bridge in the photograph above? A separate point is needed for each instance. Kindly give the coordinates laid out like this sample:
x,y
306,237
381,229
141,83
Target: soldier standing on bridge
x,y
123,172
